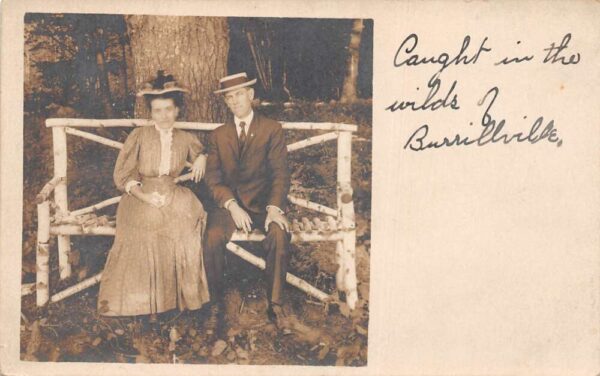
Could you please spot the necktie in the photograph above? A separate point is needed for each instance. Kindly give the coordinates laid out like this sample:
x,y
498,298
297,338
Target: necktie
x,y
242,139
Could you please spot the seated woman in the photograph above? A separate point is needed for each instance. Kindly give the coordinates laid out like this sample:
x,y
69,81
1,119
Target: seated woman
x,y
155,263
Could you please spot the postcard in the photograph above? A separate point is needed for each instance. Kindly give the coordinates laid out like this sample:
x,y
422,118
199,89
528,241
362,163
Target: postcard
x,y
302,188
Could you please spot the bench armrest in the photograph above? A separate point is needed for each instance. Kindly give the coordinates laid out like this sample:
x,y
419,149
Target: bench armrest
x,y
48,188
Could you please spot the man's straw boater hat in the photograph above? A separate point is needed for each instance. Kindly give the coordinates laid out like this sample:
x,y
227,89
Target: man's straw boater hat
x,y
234,82
161,84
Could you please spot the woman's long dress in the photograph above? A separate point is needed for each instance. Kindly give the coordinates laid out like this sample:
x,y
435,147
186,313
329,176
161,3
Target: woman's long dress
x,y
155,264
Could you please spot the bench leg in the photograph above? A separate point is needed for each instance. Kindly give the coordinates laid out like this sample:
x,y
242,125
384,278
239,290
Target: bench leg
x,y
340,275
42,254
59,140
350,268
345,277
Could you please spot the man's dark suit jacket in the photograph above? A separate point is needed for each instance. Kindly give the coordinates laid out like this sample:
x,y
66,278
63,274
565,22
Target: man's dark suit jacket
x,y
256,178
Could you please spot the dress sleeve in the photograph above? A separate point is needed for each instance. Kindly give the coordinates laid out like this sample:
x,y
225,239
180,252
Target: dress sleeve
x,y
126,168
195,147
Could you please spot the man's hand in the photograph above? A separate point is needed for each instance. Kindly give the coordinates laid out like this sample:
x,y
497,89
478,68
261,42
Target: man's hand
x,y
274,215
198,168
241,219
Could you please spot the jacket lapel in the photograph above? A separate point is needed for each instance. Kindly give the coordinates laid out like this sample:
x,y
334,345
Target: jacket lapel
x,y
251,135
232,139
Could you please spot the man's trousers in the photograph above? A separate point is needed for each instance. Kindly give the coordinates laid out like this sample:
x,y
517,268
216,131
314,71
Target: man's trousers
x,y
218,233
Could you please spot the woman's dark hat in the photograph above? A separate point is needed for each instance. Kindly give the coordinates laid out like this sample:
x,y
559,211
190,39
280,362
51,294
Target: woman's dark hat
x,y
234,82
161,84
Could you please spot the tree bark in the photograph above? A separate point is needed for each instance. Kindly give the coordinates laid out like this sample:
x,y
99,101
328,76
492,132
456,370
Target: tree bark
x,y
193,49
123,45
349,92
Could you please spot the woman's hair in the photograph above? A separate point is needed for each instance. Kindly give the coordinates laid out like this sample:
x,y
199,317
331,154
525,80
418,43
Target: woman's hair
x,y
176,96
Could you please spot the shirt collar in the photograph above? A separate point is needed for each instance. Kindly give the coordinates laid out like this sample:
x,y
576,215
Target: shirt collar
x,y
247,119
163,131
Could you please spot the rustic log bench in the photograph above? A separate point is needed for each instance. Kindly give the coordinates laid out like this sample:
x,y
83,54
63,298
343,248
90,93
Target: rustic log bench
x,y
55,218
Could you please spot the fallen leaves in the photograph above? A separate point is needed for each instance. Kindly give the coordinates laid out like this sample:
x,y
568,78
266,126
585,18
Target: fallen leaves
x,y
344,309
241,353
174,337
323,352
251,336
361,330
196,346
218,348
231,356
54,354
35,339
347,353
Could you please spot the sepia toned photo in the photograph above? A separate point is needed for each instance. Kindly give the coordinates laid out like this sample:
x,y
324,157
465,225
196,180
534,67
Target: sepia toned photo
x,y
331,187
196,190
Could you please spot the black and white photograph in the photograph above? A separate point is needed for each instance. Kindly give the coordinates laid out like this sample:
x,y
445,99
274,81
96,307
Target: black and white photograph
x,y
196,190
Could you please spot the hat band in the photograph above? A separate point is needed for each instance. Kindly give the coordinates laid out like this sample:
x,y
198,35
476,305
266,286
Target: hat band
x,y
233,82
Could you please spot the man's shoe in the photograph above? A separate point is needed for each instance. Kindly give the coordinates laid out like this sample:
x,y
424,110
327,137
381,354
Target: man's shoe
x,y
210,322
222,328
214,326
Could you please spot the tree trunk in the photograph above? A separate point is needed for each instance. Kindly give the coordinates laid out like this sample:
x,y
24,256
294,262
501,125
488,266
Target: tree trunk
x,y
193,49
349,88
105,94
123,45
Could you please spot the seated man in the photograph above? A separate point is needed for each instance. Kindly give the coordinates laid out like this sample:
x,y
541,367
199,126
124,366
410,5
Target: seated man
x,y
248,177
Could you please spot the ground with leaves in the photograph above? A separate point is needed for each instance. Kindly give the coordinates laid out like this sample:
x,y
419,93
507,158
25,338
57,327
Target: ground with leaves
x,y
321,334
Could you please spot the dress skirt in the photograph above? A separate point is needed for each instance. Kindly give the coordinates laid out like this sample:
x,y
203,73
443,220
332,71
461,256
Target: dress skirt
x,y
156,264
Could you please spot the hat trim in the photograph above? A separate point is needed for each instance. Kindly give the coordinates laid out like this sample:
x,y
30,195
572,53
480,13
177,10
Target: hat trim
x,y
248,83
233,76
161,91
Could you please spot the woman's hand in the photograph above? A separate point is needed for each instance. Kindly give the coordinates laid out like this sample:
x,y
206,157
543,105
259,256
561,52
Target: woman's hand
x,y
155,199
198,168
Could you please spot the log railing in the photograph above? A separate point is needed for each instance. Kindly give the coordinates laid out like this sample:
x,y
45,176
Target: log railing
x,y
338,225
